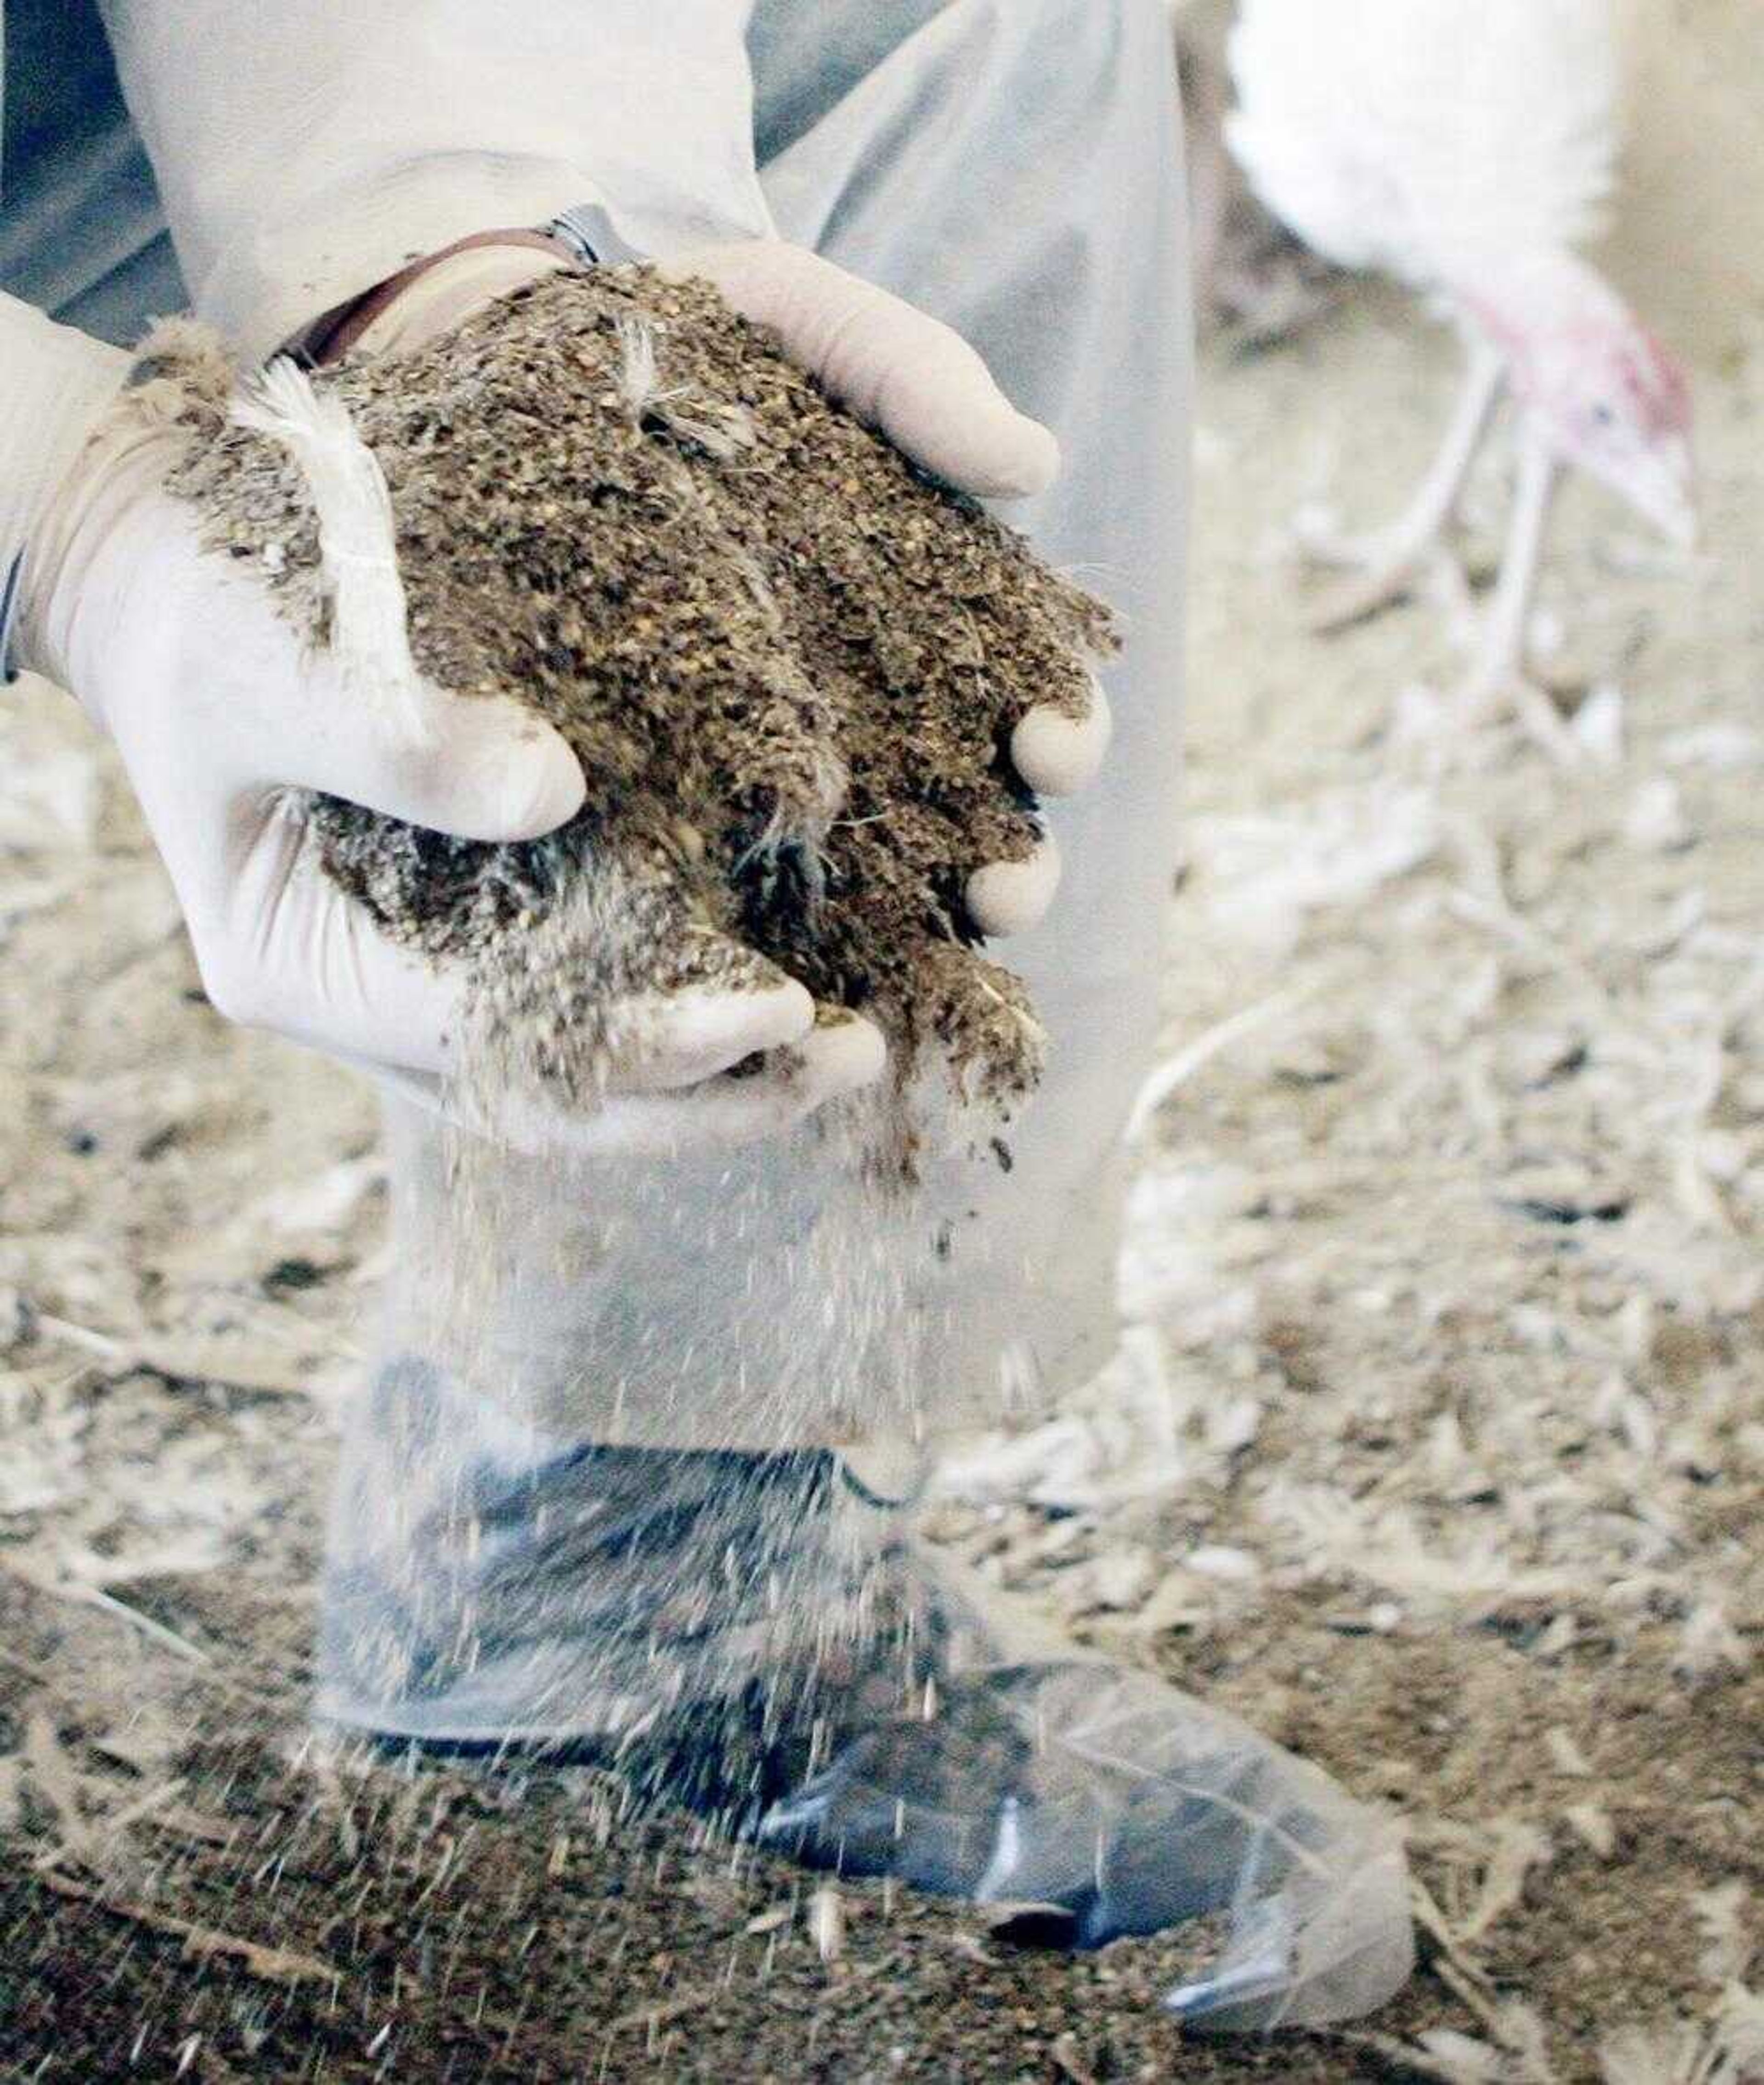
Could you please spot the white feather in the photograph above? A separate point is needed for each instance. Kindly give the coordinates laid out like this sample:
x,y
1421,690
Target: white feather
x,y
1428,136
358,552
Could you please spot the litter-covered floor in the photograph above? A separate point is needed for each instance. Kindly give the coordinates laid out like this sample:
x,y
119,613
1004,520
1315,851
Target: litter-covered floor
x,y
1436,1447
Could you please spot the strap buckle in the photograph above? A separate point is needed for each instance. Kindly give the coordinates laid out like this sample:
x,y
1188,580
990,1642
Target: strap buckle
x,y
9,616
589,231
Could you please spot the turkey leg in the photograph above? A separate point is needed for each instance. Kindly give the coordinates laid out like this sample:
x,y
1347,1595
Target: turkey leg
x,y
1499,675
1386,563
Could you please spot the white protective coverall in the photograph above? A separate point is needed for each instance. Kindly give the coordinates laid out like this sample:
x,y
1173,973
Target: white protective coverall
x,y
1012,167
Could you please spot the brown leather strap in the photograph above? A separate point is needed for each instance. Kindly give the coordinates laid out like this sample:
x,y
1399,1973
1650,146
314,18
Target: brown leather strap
x,y
330,338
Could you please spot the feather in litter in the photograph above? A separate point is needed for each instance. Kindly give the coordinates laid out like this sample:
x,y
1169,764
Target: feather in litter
x,y
357,548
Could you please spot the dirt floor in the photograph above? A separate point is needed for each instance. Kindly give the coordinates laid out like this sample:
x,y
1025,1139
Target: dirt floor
x,y
1436,1446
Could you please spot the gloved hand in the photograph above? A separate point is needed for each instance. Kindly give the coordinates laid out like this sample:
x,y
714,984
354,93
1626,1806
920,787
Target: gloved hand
x,y
219,716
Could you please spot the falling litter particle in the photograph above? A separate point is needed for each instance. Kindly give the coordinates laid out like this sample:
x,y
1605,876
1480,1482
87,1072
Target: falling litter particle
x,y
827,1921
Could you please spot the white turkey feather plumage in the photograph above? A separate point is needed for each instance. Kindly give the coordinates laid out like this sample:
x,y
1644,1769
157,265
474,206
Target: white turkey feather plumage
x,y
1424,137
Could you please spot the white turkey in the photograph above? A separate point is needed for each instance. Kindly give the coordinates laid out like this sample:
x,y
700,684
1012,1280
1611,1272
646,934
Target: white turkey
x,y
1469,148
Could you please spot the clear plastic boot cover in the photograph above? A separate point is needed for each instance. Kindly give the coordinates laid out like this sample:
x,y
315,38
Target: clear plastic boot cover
x,y
766,1638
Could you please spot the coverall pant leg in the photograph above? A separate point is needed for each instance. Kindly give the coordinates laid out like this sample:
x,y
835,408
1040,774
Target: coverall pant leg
x,y
1014,168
